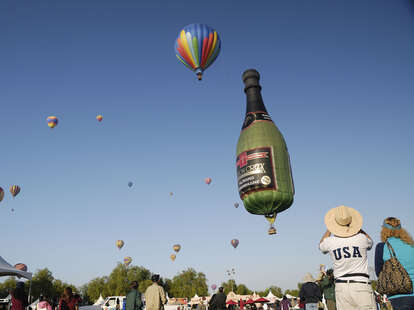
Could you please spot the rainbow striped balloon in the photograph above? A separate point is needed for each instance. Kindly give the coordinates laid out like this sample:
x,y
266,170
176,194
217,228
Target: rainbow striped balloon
x,y
197,47
127,261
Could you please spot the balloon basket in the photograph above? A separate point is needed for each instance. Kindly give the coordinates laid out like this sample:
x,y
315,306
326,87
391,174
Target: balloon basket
x,y
272,231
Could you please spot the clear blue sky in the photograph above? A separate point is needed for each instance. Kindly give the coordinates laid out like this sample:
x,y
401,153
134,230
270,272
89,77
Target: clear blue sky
x,y
337,79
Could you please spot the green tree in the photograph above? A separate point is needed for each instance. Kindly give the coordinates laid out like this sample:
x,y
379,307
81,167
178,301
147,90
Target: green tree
x,y
95,288
292,292
243,290
7,286
229,286
188,283
42,283
374,284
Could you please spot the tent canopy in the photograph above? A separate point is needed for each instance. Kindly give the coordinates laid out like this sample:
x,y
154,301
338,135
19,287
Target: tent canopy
x,y
100,301
8,270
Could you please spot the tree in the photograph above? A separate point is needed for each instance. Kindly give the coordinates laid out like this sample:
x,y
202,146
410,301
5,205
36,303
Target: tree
x,y
42,283
242,290
292,292
95,288
229,286
188,283
7,286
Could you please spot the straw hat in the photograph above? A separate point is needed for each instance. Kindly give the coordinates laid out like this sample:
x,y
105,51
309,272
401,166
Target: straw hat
x,y
308,278
343,221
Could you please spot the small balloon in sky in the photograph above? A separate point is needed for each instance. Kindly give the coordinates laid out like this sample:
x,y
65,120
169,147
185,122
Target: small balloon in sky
x,y
207,181
120,244
213,287
173,257
99,118
14,190
52,121
130,184
127,261
176,248
1,194
236,204
234,243
171,193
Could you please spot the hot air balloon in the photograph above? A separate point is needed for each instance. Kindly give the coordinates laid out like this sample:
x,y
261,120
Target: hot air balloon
x,y
12,210
99,118
236,204
127,261
234,243
173,257
21,266
171,193
213,287
130,184
176,248
1,194
197,47
207,181
52,121
120,244
14,190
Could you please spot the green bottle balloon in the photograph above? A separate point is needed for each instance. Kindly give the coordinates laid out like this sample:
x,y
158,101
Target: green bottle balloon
x,y
264,174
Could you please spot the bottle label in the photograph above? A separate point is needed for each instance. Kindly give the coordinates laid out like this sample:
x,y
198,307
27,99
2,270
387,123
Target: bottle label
x,y
251,117
255,171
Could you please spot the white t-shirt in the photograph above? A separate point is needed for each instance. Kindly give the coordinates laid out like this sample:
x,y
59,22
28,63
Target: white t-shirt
x,y
349,255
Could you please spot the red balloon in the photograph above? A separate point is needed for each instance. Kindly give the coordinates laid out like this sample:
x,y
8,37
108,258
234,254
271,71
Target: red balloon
x,y
207,180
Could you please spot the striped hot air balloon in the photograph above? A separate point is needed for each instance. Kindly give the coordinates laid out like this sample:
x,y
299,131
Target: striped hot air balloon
x,y
176,248
120,244
197,47
99,118
52,121
1,194
127,261
14,190
234,243
207,181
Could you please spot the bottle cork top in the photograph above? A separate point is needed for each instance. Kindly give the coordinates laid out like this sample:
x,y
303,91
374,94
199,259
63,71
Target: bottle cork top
x,y
251,79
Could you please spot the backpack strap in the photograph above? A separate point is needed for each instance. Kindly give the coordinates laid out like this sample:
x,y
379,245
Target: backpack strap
x,y
392,253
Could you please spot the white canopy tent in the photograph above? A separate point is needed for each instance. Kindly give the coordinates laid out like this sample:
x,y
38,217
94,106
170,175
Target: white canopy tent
x,y
100,301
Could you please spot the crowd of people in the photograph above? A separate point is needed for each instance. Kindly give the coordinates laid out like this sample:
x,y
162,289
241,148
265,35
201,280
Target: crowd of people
x,y
345,287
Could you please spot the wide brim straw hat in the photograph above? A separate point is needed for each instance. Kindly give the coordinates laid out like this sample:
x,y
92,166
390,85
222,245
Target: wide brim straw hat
x,y
343,221
308,278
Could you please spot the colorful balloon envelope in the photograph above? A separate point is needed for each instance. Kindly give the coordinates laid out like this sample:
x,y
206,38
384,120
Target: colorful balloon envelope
x,y
234,243
52,121
213,287
14,190
173,257
207,181
127,261
21,266
171,193
197,47
99,118
176,248
1,194
120,244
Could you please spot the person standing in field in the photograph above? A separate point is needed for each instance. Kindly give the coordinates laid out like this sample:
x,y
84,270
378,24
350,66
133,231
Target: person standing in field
x,y
133,298
155,295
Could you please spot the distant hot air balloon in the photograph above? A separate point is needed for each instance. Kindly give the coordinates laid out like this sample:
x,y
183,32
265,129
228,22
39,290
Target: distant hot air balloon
x,y
12,210
130,184
120,244
171,193
1,194
176,248
213,287
14,190
236,204
99,118
207,181
234,243
173,257
21,266
127,261
197,47
52,121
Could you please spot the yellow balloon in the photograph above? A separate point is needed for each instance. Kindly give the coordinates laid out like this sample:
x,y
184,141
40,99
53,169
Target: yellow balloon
x,y
173,257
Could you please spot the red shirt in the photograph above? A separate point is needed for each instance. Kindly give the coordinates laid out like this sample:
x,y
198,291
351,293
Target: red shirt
x,y
70,305
18,304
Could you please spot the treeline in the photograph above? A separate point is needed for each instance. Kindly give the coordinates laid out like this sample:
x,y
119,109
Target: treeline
x,y
185,284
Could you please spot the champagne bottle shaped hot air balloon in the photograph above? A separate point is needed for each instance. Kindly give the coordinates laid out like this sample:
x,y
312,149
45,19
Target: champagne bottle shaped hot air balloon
x,y
263,166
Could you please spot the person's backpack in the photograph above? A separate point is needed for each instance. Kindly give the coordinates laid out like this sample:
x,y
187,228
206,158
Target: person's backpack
x,y
393,278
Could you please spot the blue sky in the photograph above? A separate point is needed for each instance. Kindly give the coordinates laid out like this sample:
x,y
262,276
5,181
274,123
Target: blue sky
x,y
337,79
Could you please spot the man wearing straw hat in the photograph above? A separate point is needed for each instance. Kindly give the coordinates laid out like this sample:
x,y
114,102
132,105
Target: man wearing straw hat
x,y
348,246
